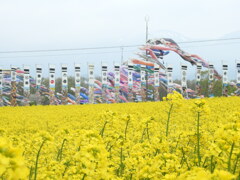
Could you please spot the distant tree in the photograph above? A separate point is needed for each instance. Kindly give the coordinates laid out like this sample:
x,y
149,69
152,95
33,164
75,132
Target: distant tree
x,y
217,85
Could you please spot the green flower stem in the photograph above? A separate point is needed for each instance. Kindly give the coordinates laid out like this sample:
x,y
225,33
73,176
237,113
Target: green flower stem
x,y
204,162
59,156
126,129
230,157
84,176
235,166
121,163
36,164
211,166
67,164
148,133
143,134
177,142
30,173
102,131
198,139
184,159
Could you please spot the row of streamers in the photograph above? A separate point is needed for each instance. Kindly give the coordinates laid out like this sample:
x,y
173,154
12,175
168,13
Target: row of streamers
x,y
26,84
126,83
104,82
210,80
198,80
130,82
169,71
1,82
184,81
143,82
38,83
52,84
117,81
91,83
77,83
225,80
135,80
13,86
238,78
156,82
64,85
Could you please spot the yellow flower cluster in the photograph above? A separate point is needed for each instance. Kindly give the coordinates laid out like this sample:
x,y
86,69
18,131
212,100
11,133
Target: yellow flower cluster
x,y
173,97
11,162
173,139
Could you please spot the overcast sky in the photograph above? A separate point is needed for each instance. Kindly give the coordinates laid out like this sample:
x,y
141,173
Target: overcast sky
x,y
53,24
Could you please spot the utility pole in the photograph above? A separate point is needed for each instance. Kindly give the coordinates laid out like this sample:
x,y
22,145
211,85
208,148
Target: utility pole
x,y
146,20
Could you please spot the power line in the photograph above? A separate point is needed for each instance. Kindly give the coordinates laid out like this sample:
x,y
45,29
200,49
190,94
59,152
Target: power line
x,y
215,44
72,54
108,47
75,49
92,53
209,40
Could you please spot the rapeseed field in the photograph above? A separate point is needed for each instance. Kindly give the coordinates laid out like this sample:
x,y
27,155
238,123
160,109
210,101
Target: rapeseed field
x,y
173,139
